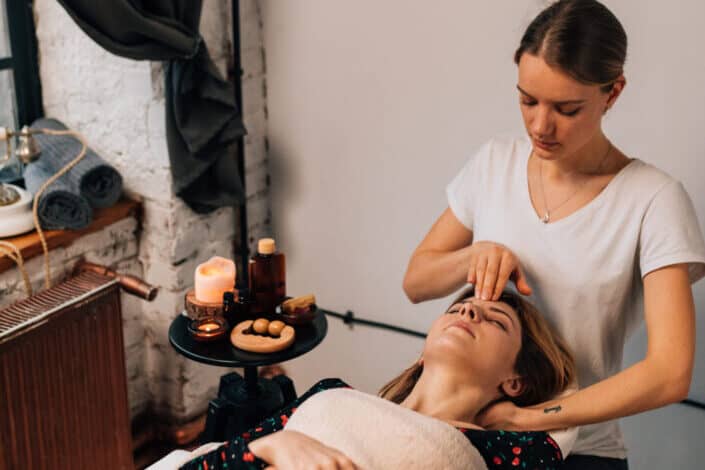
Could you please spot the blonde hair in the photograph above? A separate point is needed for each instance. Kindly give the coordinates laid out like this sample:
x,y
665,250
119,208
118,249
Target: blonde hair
x,y
544,362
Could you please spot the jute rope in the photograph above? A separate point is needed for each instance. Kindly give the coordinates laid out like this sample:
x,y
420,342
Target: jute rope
x,y
15,255
11,251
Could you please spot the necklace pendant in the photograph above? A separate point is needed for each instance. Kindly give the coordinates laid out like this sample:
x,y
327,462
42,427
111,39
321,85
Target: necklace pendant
x,y
546,218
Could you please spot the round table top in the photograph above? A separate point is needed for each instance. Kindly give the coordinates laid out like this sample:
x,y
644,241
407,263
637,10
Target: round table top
x,y
223,353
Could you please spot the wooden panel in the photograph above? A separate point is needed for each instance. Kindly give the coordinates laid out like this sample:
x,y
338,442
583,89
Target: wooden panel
x,y
31,246
63,391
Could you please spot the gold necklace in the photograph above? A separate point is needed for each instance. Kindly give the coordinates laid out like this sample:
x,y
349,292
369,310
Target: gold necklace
x,y
547,214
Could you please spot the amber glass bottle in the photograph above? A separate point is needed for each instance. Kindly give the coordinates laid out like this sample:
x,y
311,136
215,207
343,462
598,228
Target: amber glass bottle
x,y
267,272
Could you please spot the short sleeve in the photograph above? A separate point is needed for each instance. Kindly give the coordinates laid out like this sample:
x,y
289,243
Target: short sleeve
x,y
670,233
462,190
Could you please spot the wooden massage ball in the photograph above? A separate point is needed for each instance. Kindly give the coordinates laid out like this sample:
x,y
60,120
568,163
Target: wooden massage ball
x,y
262,336
275,328
260,325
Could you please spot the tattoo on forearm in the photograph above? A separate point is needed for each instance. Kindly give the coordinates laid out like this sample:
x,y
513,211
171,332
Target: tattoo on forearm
x,y
553,409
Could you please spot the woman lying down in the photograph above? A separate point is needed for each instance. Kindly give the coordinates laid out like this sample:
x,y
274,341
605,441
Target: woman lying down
x,y
477,353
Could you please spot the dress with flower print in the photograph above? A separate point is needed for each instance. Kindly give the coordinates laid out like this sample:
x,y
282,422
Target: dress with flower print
x,y
533,450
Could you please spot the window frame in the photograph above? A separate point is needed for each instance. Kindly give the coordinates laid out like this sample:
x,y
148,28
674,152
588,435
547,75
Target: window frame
x,y
23,61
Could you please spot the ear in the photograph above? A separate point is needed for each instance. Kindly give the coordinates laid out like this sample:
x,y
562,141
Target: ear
x,y
420,361
617,89
513,386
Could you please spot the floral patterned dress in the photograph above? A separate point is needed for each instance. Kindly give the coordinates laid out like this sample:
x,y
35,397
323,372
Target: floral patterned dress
x,y
500,449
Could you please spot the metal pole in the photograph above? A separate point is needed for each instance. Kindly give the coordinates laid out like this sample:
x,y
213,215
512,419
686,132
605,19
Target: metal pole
x,y
244,244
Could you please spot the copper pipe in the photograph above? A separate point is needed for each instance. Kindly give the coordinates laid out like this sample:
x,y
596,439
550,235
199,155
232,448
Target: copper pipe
x,y
129,283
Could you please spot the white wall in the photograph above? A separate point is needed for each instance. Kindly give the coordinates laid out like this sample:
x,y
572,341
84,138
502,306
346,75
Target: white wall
x,y
373,108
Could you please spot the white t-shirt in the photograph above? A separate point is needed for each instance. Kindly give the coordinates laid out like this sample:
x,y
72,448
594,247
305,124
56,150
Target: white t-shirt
x,y
586,269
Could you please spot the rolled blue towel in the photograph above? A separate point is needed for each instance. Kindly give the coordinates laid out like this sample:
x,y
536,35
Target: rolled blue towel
x,y
60,206
92,177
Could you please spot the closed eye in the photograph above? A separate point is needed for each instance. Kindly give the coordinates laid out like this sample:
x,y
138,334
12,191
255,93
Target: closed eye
x,y
455,308
570,113
499,323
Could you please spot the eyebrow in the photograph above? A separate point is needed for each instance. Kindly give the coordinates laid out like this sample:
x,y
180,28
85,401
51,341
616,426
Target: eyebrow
x,y
555,102
499,310
491,307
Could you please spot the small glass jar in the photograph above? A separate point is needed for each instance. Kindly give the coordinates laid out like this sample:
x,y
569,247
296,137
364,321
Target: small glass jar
x,y
208,328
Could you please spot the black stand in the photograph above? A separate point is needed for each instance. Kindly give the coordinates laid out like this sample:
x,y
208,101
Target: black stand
x,y
243,402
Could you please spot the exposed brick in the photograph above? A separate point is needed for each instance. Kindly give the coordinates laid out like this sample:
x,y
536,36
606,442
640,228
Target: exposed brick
x,y
253,95
250,25
253,63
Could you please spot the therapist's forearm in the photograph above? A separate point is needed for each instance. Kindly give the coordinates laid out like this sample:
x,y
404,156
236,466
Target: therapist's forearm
x,y
432,274
644,386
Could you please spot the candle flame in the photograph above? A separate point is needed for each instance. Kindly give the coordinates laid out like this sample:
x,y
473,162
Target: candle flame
x,y
210,270
208,327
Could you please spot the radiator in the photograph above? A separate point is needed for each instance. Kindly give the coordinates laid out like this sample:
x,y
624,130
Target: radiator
x,y
63,387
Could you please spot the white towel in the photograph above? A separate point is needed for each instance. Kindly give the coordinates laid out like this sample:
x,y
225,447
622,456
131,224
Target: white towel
x,y
385,435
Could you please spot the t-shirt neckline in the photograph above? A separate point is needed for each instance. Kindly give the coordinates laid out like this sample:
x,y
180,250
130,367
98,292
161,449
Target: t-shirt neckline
x,y
594,202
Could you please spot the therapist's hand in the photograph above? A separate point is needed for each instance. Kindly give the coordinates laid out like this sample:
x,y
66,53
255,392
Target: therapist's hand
x,y
491,266
292,450
504,415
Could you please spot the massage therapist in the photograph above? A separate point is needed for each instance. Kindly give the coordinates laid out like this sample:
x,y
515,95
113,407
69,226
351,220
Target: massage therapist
x,y
599,240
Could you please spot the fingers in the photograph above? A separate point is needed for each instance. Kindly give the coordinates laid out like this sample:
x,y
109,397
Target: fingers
x,y
494,258
491,266
521,282
506,268
334,460
472,274
480,269
345,463
342,462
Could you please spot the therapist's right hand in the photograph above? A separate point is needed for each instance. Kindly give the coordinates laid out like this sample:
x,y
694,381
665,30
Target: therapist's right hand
x,y
491,266
292,450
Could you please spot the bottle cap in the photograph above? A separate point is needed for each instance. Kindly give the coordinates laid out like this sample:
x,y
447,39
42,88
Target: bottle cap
x,y
266,246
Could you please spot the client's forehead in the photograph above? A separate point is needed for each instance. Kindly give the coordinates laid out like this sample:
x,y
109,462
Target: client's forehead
x,y
493,304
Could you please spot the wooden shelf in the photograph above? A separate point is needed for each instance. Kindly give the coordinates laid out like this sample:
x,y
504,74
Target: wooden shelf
x,y
31,246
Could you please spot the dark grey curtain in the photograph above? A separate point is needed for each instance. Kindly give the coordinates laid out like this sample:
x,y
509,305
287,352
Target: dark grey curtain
x,y
203,122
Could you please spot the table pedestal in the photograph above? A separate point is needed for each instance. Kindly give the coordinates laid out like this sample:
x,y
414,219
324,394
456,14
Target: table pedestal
x,y
244,402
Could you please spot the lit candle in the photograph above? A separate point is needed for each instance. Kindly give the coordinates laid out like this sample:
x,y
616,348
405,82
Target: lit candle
x,y
208,327
213,278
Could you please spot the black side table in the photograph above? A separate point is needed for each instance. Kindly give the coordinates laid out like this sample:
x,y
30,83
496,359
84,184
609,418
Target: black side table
x,y
244,402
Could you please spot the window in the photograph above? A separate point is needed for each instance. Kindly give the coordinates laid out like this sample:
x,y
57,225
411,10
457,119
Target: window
x,y
20,91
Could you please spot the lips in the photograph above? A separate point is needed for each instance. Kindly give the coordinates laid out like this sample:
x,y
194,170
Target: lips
x,y
545,145
463,325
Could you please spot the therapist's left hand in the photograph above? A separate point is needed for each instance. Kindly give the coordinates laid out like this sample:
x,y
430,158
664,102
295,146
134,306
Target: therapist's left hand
x,y
504,415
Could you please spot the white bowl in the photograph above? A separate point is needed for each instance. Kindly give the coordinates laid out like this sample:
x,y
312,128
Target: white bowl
x,y
17,218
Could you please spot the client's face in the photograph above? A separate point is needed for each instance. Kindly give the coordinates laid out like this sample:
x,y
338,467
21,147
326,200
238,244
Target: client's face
x,y
476,337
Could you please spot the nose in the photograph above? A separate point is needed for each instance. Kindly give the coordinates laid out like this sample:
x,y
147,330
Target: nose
x,y
472,312
542,122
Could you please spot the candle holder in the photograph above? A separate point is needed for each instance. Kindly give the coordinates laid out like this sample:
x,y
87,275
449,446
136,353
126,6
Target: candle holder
x,y
198,309
208,329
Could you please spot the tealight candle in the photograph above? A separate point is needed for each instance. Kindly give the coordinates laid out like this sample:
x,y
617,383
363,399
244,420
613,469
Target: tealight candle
x,y
213,278
208,327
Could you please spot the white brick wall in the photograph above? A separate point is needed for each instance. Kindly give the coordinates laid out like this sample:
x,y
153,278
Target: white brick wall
x,y
118,104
